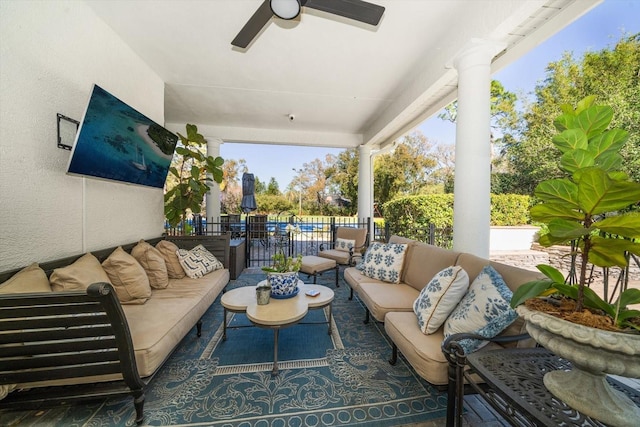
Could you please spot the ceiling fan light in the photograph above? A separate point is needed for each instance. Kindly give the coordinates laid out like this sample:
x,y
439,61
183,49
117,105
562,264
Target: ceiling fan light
x,y
285,9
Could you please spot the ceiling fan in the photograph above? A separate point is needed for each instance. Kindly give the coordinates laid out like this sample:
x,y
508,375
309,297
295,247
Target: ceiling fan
x,y
358,10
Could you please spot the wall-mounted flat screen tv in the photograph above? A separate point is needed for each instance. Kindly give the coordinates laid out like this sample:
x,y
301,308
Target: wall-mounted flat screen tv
x,y
117,142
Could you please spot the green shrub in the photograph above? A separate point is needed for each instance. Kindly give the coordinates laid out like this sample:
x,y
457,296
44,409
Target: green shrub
x,y
410,216
510,209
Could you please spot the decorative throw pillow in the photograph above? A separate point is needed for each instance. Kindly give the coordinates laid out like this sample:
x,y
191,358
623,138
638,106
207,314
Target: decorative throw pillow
x,y
484,310
169,251
438,299
383,261
198,261
79,275
127,277
153,263
344,245
30,279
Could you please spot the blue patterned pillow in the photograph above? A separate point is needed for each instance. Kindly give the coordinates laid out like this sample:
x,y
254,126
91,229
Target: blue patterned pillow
x,y
383,261
344,245
484,310
440,297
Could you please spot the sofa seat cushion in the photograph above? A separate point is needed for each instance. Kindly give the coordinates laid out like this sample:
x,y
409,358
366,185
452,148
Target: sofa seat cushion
x,y
422,351
341,257
382,298
354,277
160,324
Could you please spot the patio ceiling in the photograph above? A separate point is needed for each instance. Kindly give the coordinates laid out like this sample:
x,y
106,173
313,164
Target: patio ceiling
x,y
346,83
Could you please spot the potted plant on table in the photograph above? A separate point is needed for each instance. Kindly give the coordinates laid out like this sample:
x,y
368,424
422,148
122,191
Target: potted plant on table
x,y
587,207
282,274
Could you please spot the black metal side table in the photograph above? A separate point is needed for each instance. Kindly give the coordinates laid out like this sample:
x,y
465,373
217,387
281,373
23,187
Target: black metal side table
x,y
515,389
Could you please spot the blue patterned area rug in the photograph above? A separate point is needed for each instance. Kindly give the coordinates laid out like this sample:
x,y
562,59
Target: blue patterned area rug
x,y
342,379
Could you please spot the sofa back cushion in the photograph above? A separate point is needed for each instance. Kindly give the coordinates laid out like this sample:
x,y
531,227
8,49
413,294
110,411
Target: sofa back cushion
x,y
79,275
153,263
128,278
169,252
425,261
30,279
513,276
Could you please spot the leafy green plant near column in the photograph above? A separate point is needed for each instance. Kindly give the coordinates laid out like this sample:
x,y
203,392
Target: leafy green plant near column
x,y
590,206
194,172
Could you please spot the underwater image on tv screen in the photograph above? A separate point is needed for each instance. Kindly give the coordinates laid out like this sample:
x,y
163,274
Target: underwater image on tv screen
x,y
119,143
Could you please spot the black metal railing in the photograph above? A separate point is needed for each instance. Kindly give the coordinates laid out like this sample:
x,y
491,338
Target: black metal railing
x,y
264,235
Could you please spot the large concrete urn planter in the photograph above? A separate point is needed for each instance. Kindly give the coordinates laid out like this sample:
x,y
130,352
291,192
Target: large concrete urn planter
x,y
594,353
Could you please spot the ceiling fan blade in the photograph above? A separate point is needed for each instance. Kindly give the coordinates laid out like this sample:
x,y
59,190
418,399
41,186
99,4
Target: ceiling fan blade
x,y
254,25
362,11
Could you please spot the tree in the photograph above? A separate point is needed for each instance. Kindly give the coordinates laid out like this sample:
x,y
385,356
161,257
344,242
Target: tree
x,y
445,157
230,188
342,177
505,120
406,171
273,188
259,187
613,76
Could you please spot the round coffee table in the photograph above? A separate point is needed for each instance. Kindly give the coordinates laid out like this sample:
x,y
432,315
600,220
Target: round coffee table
x,y
279,313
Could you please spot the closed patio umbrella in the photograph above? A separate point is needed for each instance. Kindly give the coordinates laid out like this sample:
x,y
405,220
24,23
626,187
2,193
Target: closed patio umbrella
x,y
248,203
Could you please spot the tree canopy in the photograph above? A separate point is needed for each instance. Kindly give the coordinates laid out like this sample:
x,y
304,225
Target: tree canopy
x,y
613,76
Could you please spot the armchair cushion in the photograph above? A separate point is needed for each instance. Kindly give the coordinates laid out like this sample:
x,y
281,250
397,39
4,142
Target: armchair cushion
x,y
484,310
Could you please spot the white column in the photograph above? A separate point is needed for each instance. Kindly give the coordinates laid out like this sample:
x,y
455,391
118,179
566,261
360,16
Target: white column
x,y
365,183
472,185
213,196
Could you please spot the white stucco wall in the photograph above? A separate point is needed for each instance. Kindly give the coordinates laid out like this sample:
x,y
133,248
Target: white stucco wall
x,y
51,54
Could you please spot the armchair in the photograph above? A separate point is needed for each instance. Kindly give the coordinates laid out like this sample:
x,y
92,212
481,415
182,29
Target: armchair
x,y
349,243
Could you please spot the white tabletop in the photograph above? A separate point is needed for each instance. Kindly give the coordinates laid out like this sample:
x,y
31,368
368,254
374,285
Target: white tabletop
x,y
279,312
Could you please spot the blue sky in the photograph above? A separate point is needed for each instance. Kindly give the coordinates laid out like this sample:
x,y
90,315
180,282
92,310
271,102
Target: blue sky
x,y
599,28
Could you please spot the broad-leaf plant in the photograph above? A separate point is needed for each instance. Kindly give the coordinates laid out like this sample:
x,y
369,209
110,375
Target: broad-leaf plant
x,y
589,207
194,172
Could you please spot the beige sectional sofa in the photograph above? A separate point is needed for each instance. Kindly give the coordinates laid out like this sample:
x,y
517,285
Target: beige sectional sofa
x,y
158,319
392,303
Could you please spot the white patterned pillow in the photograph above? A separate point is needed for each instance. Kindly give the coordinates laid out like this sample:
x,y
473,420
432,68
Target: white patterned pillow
x,y
383,261
344,245
438,299
198,261
484,310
